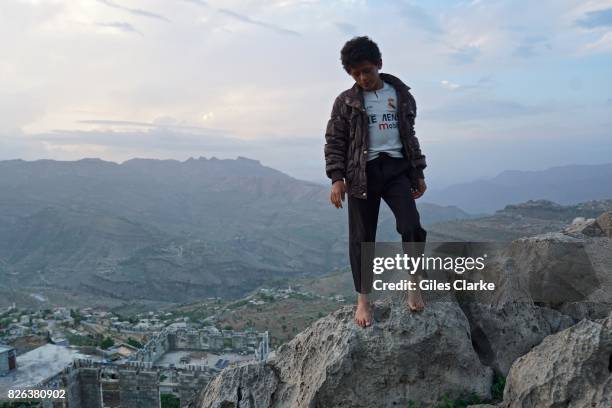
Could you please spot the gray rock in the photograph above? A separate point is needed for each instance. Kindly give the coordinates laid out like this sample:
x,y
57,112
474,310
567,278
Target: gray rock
x,y
246,385
571,369
554,268
604,221
402,357
589,227
571,274
502,334
419,357
482,406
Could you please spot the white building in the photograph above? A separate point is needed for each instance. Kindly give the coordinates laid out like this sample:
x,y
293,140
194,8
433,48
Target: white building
x,y
61,313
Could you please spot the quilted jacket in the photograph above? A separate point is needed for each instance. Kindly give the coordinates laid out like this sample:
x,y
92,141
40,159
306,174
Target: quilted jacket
x,y
346,137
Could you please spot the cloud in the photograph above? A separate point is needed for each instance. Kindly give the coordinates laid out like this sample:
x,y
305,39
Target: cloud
x,y
137,12
466,54
532,46
603,44
160,122
449,85
249,20
346,28
245,19
596,19
466,109
198,2
120,25
155,139
420,18
485,81
199,69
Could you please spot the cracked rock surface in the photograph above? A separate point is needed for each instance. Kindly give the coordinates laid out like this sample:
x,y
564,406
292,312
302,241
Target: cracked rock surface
x,y
572,368
402,357
548,329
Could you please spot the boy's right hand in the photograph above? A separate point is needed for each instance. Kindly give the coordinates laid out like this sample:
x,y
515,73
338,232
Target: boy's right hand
x,y
337,193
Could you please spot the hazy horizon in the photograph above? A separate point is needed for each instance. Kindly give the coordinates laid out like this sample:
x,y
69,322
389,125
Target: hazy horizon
x,y
321,180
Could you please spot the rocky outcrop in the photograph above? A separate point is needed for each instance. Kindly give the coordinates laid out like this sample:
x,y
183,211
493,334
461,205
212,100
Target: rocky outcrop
x,y
572,368
554,268
592,227
502,334
567,272
402,357
548,327
604,221
588,227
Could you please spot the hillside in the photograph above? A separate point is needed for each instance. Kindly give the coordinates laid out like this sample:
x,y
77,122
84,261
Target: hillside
x,y
164,231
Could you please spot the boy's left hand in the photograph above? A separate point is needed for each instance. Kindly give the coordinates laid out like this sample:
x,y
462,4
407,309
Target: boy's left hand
x,y
420,190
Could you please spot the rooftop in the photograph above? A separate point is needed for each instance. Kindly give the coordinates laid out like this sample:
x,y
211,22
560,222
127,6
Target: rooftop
x,y
5,347
37,365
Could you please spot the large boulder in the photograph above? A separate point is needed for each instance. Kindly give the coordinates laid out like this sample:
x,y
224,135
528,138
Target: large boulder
x,y
402,357
581,226
572,368
569,273
502,334
554,268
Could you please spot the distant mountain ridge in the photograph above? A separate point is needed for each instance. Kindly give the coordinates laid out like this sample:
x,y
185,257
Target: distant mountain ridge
x,y
565,185
166,230
516,220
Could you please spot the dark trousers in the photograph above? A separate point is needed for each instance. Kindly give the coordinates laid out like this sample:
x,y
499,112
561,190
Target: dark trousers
x,y
387,179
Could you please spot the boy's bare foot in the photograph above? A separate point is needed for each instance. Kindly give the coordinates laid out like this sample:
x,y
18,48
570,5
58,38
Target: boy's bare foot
x,y
414,300
363,314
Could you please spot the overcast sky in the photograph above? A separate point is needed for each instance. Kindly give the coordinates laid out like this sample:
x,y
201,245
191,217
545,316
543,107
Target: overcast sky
x,y
499,84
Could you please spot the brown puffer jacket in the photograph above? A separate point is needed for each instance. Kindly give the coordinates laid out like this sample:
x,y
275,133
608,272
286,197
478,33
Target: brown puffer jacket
x,y
346,137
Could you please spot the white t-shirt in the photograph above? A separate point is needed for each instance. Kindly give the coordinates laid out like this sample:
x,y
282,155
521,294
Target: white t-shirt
x,y
383,122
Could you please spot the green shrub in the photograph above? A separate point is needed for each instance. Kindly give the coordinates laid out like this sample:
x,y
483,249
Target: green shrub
x,y
169,401
497,389
460,402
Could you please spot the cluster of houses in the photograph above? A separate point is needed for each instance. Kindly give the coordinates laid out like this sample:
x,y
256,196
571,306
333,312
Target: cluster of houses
x,y
16,323
262,294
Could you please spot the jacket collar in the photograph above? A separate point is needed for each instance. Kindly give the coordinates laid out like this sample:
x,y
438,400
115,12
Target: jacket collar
x,y
354,96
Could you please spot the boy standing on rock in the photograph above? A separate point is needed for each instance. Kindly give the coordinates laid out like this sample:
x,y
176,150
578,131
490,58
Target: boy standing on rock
x,y
371,152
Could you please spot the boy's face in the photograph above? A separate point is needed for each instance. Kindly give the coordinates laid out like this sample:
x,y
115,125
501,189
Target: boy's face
x,y
366,75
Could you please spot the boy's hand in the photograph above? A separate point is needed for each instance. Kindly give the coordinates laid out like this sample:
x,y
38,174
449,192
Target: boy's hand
x,y
420,190
337,193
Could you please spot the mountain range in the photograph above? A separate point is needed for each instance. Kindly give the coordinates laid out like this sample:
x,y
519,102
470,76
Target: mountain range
x,y
566,185
166,232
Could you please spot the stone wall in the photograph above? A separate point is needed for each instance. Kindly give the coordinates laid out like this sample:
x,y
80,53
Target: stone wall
x,y
191,382
225,341
154,349
139,389
91,384
135,384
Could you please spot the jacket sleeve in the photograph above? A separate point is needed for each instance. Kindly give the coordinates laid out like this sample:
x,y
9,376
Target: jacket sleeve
x,y
418,158
336,139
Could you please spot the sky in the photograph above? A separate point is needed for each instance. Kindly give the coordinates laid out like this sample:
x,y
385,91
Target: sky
x,y
499,85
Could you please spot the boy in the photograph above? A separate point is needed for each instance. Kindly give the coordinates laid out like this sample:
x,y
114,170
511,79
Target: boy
x,y
371,152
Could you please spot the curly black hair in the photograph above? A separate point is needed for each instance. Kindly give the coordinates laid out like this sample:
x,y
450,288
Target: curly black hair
x,y
357,50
